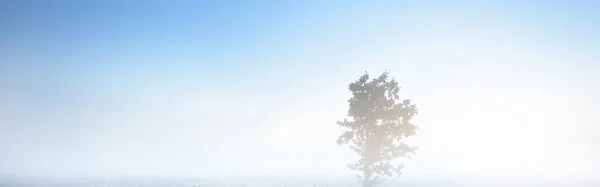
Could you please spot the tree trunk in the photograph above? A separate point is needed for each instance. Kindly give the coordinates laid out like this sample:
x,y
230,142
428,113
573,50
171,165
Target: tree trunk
x,y
368,175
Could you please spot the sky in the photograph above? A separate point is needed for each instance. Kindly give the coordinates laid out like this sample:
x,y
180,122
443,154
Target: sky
x,y
505,89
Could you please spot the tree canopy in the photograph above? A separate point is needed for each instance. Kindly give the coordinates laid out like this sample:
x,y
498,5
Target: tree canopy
x,y
377,123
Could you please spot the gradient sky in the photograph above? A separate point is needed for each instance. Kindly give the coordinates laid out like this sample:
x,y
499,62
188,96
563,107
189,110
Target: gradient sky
x,y
504,90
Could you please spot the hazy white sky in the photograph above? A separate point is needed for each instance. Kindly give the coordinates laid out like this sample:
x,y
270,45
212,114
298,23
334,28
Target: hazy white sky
x,y
504,90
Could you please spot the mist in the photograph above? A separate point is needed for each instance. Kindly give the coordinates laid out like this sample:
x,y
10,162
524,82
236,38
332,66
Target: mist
x,y
505,91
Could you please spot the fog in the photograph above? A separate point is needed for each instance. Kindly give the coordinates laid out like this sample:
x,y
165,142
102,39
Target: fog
x,y
505,91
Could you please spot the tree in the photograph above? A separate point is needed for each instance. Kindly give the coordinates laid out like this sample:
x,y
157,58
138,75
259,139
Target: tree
x,y
377,124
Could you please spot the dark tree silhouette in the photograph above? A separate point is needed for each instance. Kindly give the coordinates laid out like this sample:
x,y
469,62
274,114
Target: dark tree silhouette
x,y
377,123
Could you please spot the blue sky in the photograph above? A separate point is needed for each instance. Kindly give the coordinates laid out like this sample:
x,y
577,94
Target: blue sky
x,y
106,87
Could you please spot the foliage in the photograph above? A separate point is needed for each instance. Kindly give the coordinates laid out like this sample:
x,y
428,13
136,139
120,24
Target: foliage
x,y
377,123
